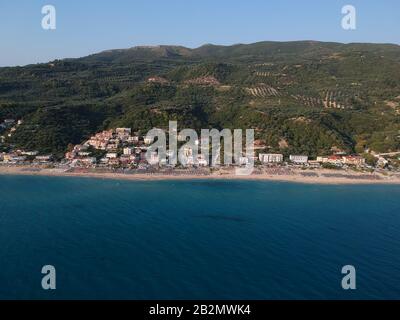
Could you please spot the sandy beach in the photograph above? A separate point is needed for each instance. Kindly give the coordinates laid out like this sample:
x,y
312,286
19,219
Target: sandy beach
x,y
315,176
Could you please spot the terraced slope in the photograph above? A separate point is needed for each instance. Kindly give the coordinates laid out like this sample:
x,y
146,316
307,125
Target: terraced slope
x,y
345,95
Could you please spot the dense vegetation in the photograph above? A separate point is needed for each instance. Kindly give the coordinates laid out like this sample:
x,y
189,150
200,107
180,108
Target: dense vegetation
x,y
300,97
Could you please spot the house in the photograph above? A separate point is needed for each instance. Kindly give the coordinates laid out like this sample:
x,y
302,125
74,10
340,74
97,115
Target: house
x,y
382,162
335,160
123,131
112,146
201,160
125,159
88,160
13,158
134,157
114,162
94,143
70,155
298,159
9,122
84,153
128,151
270,157
44,159
148,140
7,157
133,139
29,153
80,147
339,160
314,163
143,166
354,160
112,155
187,152
322,159
181,137
243,161
19,158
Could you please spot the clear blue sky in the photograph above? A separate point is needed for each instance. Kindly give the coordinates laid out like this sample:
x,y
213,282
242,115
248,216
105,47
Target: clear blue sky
x,y
89,26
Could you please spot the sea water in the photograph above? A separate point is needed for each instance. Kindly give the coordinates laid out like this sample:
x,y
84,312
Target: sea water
x,y
197,239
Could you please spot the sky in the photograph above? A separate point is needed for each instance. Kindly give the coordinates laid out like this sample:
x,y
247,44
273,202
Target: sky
x,y
88,26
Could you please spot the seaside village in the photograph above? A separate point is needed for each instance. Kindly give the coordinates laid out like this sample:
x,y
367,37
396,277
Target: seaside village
x,y
121,149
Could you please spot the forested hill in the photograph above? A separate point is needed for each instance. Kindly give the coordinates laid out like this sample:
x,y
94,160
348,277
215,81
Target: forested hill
x,y
300,97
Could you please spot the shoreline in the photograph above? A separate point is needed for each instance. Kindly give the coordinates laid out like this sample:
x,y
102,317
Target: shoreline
x,y
343,178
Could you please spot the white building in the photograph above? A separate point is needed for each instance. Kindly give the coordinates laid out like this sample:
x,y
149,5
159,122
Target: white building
x,y
123,131
382,162
133,139
201,160
88,160
112,155
44,159
9,121
80,147
298,159
84,153
112,146
29,153
12,158
354,160
244,161
270,157
322,159
128,151
187,151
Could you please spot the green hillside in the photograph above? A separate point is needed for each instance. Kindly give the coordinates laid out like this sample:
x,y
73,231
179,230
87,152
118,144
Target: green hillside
x,y
303,97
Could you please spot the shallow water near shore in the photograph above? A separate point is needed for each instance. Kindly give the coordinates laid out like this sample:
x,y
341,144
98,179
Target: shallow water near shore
x,y
203,239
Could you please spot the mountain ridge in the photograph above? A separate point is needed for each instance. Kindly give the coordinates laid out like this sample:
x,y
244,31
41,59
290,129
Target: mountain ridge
x,y
261,48
313,95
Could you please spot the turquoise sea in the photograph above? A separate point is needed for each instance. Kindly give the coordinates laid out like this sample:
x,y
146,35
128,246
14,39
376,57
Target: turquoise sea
x,y
112,239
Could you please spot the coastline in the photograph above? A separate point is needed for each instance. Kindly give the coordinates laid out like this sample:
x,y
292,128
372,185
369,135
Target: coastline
x,y
296,176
